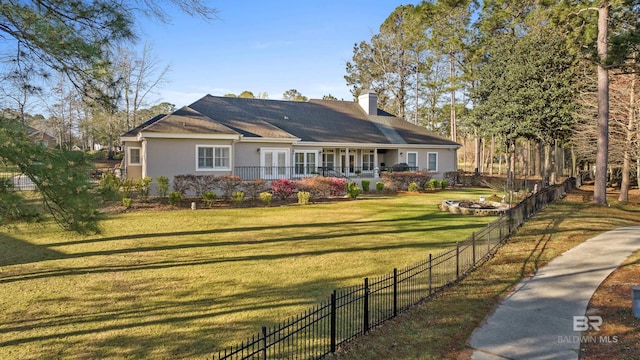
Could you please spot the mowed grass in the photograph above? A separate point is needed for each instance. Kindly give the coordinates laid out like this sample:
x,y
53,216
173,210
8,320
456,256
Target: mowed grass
x,y
183,284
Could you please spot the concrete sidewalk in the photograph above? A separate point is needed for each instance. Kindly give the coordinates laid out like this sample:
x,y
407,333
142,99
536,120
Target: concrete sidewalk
x,y
536,320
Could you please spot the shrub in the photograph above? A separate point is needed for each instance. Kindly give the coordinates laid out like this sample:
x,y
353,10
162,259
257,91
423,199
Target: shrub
x,y
379,186
229,184
266,197
432,184
365,185
453,177
181,184
317,186
209,197
303,197
109,186
143,186
126,202
127,187
338,186
237,197
443,184
353,190
283,188
175,197
200,184
413,187
400,180
163,185
254,188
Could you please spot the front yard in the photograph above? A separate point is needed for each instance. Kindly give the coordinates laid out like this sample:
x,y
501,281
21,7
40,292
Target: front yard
x,y
182,283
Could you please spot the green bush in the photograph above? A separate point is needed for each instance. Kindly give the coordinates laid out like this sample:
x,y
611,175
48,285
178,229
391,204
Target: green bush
x,y
163,185
432,184
109,186
266,197
413,187
353,190
237,197
379,186
143,186
175,197
365,185
127,187
303,197
443,184
126,202
209,197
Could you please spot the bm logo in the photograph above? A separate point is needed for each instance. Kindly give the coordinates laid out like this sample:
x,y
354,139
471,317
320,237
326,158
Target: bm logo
x,y
584,323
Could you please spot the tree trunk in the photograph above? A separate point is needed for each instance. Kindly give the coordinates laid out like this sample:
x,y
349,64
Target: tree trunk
x,y
492,154
477,157
626,164
600,186
546,172
454,133
537,161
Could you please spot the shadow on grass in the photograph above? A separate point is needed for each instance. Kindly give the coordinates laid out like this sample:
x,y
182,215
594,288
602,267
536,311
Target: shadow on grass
x,y
15,251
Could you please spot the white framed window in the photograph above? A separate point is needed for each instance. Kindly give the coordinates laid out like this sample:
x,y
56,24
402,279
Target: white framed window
x,y
213,157
412,160
274,163
432,162
134,156
329,159
367,160
305,162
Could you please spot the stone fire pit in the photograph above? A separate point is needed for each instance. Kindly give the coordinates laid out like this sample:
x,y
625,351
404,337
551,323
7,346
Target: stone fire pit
x,y
476,208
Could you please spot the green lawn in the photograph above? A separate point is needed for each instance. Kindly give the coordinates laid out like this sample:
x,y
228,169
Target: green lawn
x,y
182,284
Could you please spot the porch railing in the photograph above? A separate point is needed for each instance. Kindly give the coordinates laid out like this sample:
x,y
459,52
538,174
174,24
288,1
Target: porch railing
x,y
300,171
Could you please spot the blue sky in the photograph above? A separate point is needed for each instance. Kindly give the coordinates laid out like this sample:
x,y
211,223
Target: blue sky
x,y
263,46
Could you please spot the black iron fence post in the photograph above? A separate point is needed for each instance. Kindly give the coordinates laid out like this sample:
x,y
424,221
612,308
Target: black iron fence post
x,y
473,244
457,259
430,272
333,321
395,292
366,305
264,343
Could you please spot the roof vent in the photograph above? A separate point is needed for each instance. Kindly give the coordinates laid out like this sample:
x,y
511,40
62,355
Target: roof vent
x,y
368,101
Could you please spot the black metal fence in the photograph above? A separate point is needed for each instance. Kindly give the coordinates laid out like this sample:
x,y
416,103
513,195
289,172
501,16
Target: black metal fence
x,y
353,311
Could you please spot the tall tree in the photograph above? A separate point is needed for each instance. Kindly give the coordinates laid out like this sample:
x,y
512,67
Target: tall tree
x,y
68,37
388,64
608,39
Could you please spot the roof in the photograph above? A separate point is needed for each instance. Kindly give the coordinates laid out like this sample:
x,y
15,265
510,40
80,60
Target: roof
x,y
319,121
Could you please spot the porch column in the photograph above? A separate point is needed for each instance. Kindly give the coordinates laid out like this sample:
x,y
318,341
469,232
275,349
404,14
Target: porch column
x,y
345,166
376,167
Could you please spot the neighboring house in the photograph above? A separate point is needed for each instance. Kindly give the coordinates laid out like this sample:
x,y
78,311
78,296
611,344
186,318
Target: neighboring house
x,y
41,137
270,139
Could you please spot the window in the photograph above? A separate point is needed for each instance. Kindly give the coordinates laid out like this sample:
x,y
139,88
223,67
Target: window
x,y
305,162
328,159
134,156
432,162
213,157
274,162
367,160
412,160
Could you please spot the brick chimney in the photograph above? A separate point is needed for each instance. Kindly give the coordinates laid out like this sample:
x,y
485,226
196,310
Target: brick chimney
x,y
368,101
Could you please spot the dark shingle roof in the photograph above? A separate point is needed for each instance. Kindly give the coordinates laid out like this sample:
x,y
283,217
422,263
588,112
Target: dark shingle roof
x,y
182,121
325,121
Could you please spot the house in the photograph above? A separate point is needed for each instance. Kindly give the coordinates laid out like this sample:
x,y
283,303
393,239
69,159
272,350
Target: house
x,y
272,139
41,137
